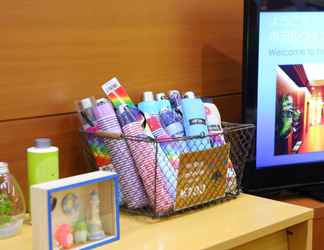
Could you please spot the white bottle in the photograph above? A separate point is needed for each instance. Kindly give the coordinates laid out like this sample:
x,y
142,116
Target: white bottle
x,y
214,124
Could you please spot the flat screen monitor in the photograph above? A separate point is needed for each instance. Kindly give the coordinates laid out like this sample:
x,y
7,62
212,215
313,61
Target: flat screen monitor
x,y
283,92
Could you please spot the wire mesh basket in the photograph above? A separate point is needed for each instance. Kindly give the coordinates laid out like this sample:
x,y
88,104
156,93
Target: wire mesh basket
x,y
163,177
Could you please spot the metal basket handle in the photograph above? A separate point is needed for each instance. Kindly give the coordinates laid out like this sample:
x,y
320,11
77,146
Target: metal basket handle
x,y
108,134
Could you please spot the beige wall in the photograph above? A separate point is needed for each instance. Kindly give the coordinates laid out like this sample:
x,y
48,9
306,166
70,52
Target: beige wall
x,y
54,52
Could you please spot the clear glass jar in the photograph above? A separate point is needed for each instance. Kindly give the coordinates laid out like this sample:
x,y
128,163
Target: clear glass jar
x,y
12,204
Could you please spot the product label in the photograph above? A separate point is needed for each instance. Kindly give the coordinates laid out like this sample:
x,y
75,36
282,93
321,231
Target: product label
x,y
202,177
111,85
215,128
167,117
155,127
134,129
213,117
116,93
175,129
197,121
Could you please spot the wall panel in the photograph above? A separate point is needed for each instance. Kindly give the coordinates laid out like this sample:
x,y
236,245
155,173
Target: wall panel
x,y
53,52
17,136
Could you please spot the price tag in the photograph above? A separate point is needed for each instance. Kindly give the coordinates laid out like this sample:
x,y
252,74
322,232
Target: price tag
x,y
202,177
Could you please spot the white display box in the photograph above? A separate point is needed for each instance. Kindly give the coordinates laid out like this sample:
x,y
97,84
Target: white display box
x,y
57,206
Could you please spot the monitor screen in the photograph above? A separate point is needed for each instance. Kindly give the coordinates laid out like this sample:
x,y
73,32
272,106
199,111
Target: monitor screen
x,y
290,94
283,92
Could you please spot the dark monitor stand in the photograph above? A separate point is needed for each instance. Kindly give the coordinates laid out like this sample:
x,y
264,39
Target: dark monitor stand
x,y
316,192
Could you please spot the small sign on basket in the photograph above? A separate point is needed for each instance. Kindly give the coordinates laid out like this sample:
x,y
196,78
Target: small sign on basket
x,y
202,177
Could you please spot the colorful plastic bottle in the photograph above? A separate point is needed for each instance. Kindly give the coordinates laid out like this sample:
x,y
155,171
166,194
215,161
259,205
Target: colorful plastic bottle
x,y
175,100
117,94
214,123
167,154
171,124
42,162
85,111
194,120
132,189
162,102
166,148
149,105
174,128
144,156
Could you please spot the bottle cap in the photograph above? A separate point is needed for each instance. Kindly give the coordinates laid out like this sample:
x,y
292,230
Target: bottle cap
x,y
101,101
4,168
207,99
174,92
148,96
160,96
86,103
190,95
43,143
103,110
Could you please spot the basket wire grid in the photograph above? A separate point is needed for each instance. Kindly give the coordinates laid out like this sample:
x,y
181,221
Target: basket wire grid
x,y
179,174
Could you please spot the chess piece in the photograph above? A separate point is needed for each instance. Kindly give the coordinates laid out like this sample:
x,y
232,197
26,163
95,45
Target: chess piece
x,y
95,231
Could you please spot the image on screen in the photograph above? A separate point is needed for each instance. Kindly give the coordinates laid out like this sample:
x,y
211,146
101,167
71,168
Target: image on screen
x,y
299,124
290,103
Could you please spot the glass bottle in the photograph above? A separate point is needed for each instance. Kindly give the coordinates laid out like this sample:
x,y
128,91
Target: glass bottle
x,y
12,204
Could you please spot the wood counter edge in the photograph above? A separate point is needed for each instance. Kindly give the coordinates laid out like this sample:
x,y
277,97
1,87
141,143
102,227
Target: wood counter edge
x,y
307,215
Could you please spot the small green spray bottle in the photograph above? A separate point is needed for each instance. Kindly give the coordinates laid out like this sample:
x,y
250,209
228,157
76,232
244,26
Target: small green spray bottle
x,y
42,162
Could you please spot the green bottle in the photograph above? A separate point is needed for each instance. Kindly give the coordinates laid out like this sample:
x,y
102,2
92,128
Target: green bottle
x,y
42,162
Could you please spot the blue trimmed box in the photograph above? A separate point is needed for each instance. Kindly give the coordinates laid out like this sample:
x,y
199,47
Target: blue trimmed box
x,y
83,207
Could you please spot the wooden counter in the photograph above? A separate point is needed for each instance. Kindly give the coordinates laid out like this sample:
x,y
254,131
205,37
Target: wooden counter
x,y
318,220
246,223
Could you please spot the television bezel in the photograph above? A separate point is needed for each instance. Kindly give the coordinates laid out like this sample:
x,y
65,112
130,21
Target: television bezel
x,y
258,180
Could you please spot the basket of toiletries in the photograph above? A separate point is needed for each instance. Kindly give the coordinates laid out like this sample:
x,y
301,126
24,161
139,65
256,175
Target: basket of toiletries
x,y
79,212
172,153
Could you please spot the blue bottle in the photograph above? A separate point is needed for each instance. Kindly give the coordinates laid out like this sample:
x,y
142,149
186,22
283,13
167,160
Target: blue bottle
x,y
194,121
149,105
162,102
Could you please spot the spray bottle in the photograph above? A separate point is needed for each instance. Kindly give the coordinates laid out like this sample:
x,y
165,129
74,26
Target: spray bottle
x,y
162,102
194,120
169,149
85,112
132,188
149,105
175,100
214,123
143,153
42,162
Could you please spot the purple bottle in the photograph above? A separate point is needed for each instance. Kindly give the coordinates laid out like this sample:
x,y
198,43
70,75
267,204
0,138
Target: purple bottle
x,y
143,153
131,185
171,124
175,100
